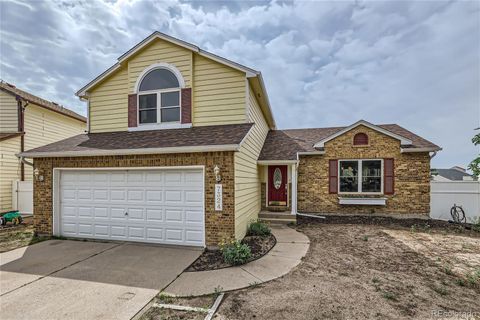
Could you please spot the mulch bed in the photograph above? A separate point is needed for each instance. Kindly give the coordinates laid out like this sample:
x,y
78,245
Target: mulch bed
x,y
213,259
422,224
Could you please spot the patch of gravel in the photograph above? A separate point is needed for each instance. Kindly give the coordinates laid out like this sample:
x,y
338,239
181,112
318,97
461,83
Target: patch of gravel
x,y
213,259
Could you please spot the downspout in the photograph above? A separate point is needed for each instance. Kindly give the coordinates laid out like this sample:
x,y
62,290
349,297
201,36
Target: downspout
x,y
21,128
433,155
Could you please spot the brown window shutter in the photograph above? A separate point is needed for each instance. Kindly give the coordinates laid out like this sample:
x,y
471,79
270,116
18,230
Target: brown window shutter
x,y
333,176
132,110
187,105
388,176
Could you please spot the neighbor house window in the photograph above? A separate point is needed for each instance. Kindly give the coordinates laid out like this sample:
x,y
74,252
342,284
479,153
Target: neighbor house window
x,y
357,176
159,97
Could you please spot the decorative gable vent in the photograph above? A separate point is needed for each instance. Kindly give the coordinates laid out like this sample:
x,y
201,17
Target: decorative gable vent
x,y
360,139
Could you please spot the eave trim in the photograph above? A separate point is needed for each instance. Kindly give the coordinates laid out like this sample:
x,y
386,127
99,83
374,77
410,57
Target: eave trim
x,y
103,152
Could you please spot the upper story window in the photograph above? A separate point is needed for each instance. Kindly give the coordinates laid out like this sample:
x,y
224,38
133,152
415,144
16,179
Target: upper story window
x,y
360,139
159,97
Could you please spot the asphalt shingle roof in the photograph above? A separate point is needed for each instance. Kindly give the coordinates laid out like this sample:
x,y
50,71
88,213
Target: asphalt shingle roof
x,y
284,144
188,137
39,101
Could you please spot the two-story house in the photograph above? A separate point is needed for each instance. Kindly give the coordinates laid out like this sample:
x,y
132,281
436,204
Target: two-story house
x,y
27,122
182,148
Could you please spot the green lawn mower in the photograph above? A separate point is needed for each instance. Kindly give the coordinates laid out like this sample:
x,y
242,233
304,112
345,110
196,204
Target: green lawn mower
x,y
13,216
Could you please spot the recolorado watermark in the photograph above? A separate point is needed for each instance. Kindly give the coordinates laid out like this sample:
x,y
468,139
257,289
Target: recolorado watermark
x,y
467,315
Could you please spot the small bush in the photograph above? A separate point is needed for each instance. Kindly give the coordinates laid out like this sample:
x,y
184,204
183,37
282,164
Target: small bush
x,y
476,224
235,252
389,296
258,228
474,278
448,270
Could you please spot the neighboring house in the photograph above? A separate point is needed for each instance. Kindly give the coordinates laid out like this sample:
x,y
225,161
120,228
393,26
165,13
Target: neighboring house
x,y
455,173
27,122
182,149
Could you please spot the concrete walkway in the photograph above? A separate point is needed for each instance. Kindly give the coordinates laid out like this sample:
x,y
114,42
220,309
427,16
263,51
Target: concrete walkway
x,y
63,279
290,248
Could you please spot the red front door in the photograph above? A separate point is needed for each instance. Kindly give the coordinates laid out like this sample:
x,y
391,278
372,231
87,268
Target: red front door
x,y
277,185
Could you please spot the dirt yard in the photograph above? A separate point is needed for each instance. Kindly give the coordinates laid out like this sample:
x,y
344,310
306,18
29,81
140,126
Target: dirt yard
x,y
368,271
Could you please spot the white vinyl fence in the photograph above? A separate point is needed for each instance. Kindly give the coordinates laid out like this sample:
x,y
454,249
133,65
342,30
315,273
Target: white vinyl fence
x,y
22,196
444,194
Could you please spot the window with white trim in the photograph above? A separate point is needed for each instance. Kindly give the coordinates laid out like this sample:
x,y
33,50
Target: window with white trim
x,y
360,176
159,98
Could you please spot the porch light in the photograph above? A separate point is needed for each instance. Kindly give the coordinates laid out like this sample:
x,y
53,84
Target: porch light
x,y
37,175
216,171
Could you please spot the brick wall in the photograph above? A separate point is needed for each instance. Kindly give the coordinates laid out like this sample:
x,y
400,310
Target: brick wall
x,y
218,224
412,176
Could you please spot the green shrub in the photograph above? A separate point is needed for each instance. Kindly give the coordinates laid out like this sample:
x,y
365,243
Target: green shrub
x,y
258,228
235,252
476,224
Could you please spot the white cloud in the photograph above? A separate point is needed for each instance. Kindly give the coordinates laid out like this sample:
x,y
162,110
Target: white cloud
x,y
414,63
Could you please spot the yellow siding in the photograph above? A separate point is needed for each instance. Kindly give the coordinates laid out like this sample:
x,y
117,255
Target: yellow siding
x,y
247,173
219,93
43,126
8,112
109,104
160,51
9,170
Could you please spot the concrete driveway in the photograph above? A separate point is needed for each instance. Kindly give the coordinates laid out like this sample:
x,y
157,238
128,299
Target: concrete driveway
x,y
63,279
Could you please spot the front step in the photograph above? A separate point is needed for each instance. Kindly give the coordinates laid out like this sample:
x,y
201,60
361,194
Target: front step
x,y
277,218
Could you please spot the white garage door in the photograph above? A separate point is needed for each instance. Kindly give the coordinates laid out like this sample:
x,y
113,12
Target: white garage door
x,y
157,206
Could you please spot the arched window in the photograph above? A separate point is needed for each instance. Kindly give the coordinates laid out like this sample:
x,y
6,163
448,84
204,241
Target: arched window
x,y
159,97
360,139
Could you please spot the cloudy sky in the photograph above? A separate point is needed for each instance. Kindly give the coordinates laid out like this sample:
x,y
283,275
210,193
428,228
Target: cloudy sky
x,y
325,63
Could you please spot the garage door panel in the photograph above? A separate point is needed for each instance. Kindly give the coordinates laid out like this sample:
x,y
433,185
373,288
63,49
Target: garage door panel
x,y
100,194
193,217
69,211
163,206
69,228
154,196
136,232
118,213
85,229
136,195
85,212
154,234
154,178
135,214
154,214
117,194
173,196
118,231
173,215
193,236
101,230
173,234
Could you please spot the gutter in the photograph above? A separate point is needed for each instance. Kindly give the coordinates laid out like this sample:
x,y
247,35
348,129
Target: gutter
x,y
103,152
22,159
309,153
411,150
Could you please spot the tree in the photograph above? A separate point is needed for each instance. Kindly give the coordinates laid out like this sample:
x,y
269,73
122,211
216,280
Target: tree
x,y
475,164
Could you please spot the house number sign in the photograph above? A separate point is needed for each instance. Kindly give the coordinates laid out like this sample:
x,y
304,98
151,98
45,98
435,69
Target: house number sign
x,y
218,197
